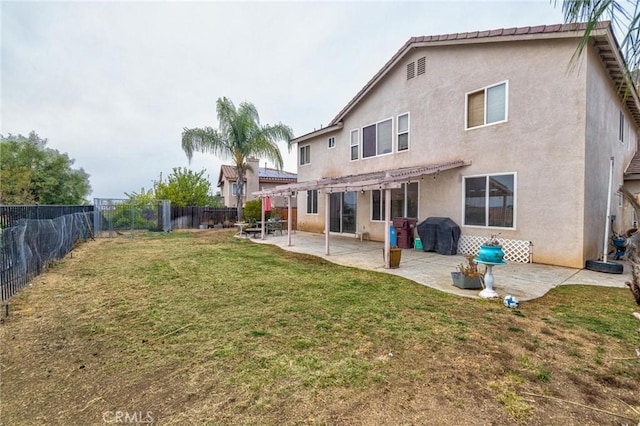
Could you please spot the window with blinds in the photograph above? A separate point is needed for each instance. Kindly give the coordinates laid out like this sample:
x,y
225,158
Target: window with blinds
x,y
355,144
403,132
487,106
377,139
305,155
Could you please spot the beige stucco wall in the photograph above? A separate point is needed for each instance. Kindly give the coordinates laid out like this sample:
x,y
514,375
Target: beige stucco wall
x,y
602,143
543,142
230,200
252,185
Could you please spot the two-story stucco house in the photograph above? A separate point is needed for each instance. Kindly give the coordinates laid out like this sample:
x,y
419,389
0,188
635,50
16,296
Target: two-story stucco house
x,y
257,178
498,130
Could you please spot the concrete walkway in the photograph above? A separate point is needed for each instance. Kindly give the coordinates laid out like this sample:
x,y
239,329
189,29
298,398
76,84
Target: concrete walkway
x,y
525,281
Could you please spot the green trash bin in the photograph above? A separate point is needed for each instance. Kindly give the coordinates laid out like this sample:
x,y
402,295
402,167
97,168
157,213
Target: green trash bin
x,y
417,244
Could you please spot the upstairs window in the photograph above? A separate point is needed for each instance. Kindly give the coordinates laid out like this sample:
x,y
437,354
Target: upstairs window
x,y
377,139
403,132
332,142
621,127
234,189
487,106
305,155
355,144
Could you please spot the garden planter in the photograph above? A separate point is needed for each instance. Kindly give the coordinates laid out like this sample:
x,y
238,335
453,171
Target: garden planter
x,y
466,282
395,253
491,254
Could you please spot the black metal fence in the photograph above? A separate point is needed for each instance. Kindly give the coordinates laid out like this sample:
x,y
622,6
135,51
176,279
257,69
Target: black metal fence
x,y
13,214
32,236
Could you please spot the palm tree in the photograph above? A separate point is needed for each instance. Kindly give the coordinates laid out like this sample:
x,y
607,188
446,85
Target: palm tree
x,y
625,22
239,136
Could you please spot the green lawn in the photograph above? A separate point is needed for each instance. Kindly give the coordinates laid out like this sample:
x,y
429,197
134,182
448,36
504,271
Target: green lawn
x,y
204,328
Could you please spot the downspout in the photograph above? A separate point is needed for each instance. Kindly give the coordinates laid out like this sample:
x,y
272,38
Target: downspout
x,y
608,220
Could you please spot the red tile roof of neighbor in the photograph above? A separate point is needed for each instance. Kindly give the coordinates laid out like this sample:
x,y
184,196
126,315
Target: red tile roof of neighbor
x,y
265,174
570,30
228,172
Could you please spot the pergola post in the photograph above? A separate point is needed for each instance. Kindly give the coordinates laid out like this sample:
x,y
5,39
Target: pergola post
x,y
262,224
387,228
289,226
327,201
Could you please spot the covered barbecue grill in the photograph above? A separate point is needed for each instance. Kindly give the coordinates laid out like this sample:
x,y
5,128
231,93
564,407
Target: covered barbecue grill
x,y
439,234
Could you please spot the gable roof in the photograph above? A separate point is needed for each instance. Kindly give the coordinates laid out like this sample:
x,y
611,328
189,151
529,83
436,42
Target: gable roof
x,y
604,42
265,175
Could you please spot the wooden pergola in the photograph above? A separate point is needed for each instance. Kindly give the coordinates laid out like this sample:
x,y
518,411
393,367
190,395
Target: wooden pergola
x,y
386,180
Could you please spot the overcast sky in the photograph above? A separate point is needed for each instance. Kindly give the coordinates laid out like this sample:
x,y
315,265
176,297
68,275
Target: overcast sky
x,y
113,84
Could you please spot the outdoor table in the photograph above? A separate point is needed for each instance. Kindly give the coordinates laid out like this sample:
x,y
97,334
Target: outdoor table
x,y
240,226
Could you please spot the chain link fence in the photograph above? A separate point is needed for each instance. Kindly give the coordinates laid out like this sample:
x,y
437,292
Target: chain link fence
x,y
117,216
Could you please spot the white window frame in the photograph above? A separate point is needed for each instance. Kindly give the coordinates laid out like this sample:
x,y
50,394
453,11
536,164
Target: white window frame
x,y
332,142
302,160
377,123
398,133
357,144
515,201
234,189
485,89
621,125
312,193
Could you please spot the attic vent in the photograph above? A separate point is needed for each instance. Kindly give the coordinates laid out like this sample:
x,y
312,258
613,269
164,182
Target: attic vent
x,y
422,65
411,70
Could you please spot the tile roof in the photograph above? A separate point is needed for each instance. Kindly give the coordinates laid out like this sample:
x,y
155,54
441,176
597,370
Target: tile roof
x,y
634,165
265,174
535,31
269,174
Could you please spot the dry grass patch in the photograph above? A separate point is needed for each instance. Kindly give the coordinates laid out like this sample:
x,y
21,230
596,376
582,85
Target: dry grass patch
x,y
200,327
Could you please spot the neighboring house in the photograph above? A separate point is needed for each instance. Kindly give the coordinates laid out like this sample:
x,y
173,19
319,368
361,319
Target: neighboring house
x,y
496,130
265,179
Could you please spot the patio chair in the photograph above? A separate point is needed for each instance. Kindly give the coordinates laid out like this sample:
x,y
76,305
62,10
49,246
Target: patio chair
x,y
274,225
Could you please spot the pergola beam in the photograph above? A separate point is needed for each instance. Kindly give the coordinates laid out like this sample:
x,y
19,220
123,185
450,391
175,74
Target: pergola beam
x,y
366,181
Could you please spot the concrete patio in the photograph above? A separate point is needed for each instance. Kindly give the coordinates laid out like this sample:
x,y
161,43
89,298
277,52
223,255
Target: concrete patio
x,y
525,281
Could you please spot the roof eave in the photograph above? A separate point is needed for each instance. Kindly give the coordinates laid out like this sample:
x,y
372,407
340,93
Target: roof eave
x,y
575,31
316,133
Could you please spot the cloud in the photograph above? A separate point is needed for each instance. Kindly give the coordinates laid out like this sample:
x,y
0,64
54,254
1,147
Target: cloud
x,y
114,83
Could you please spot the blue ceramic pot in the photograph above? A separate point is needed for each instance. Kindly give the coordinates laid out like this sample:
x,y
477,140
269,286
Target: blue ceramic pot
x,y
492,254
